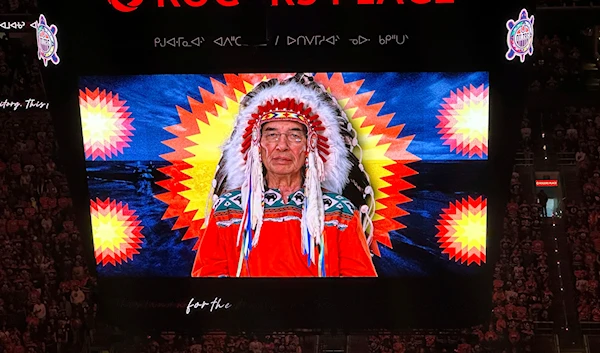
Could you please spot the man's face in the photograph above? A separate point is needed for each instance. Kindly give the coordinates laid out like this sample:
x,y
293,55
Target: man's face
x,y
283,147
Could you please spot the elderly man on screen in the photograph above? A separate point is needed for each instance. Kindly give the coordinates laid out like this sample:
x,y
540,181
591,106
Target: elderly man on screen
x,y
278,206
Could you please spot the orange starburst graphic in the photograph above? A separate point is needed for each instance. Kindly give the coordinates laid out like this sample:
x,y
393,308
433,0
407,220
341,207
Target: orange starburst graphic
x,y
462,231
207,124
116,231
105,123
464,121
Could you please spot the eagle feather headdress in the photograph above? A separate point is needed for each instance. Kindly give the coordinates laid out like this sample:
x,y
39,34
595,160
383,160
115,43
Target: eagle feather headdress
x,y
331,161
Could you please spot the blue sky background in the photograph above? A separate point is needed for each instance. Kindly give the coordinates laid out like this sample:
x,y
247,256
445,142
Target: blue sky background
x,y
414,98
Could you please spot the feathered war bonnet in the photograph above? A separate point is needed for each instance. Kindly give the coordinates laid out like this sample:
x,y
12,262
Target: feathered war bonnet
x,y
331,162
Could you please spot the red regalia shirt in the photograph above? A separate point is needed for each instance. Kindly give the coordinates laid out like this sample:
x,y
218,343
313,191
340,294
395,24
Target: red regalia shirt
x,y
278,252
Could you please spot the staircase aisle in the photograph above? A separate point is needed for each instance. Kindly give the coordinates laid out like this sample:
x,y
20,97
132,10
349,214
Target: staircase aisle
x,y
559,260
565,314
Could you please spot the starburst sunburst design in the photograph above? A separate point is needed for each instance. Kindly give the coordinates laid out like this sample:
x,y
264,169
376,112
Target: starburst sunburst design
x,y
105,123
464,121
462,231
116,232
207,124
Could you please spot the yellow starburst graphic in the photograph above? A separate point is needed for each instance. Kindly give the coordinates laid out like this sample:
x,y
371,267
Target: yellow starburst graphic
x,y
206,153
105,122
463,229
207,124
464,121
116,232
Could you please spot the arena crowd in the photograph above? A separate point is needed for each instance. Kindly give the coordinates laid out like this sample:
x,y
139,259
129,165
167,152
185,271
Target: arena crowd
x,y
47,295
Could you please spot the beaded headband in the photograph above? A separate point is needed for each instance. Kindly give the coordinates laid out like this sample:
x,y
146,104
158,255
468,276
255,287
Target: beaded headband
x,y
286,110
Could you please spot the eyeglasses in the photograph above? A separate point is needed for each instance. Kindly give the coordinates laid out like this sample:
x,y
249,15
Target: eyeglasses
x,y
292,137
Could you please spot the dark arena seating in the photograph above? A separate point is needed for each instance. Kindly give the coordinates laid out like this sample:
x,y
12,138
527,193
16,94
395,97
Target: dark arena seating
x,y
545,289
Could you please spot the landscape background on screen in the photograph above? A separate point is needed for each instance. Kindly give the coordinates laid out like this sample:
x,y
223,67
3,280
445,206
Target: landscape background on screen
x,y
424,136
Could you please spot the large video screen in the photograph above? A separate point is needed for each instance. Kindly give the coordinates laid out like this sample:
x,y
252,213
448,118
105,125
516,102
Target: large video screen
x,y
343,174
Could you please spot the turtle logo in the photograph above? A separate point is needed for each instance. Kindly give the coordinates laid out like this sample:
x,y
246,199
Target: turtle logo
x,y
132,5
47,43
520,36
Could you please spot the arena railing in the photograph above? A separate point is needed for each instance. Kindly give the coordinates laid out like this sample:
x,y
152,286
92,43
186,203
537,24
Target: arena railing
x,y
524,158
566,158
